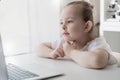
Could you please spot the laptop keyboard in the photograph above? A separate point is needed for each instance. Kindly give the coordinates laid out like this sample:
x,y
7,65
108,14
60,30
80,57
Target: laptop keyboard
x,y
16,73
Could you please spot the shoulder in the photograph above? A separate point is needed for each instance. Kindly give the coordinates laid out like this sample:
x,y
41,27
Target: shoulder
x,y
100,44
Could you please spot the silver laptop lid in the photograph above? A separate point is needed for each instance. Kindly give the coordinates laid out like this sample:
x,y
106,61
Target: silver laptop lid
x,y
3,69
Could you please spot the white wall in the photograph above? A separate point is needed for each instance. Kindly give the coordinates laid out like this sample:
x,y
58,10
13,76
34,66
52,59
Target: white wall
x,y
26,23
14,26
44,19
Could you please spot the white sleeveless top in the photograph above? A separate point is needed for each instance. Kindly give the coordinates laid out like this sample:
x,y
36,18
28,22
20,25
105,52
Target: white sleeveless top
x,y
93,45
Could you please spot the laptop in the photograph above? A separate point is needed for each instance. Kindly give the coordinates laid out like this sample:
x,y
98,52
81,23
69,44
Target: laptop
x,y
13,72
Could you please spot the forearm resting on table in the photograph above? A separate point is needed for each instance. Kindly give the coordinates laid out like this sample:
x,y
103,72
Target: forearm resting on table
x,y
92,59
43,50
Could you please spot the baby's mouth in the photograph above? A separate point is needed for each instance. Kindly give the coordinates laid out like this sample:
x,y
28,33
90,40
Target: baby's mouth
x,y
66,33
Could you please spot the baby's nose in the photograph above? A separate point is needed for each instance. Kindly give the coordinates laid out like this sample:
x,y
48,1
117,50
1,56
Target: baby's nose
x,y
64,27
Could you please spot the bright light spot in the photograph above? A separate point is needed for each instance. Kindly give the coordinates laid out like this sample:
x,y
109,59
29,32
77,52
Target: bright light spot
x,y
8,48
56,3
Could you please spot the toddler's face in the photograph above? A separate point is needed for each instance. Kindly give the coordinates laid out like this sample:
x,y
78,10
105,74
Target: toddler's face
x,y
72,25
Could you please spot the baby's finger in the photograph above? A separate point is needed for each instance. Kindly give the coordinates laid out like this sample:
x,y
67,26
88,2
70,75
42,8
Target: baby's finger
x,y
70,42
54,55
61,52
74,44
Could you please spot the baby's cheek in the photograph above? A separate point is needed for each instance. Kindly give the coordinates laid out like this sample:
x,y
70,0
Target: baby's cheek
x,y
74,33
75,30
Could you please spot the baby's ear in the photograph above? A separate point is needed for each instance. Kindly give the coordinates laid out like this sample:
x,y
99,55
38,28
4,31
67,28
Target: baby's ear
x,y
88,26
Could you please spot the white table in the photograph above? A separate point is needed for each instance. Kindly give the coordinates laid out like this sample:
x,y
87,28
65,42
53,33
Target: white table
x,y
72,70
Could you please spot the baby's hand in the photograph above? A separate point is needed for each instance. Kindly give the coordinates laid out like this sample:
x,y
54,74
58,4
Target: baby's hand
x,y
68,47
58,52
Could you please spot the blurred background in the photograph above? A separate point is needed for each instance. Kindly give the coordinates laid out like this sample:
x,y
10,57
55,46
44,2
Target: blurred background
x,y
24,24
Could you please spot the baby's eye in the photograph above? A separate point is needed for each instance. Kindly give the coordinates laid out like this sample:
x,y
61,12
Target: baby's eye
x,y
70,21
61,23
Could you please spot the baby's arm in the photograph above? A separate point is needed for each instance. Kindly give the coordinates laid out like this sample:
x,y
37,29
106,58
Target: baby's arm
x,y
45,50
91,59
97,58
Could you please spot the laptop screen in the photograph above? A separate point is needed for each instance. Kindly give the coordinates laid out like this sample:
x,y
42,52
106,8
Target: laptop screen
x,y
3,69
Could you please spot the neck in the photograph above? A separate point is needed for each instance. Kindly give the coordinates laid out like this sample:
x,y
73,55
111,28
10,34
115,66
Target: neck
x,y
82,42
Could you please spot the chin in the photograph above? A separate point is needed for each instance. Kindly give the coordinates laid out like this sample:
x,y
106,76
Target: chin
x,y
67,38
